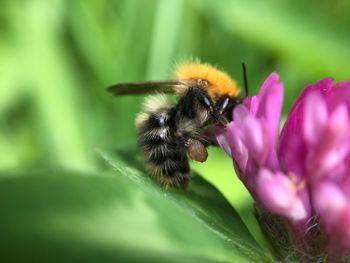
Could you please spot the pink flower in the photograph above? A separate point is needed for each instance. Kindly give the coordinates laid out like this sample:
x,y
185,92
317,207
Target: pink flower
x,y
303,174
250,139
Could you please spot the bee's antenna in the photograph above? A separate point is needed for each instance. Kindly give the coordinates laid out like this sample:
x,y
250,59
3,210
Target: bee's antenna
x,y
245,79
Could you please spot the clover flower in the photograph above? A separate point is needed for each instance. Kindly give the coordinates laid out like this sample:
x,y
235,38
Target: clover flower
x,y
302,175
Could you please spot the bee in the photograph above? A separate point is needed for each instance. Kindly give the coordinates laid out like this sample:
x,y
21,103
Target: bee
x,y
169,134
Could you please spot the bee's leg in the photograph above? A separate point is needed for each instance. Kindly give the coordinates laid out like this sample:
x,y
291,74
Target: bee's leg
x,y
207,136
183,181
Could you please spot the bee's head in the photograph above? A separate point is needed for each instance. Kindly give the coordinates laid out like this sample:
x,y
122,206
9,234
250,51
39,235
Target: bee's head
x,y
198,104
219,109
224,106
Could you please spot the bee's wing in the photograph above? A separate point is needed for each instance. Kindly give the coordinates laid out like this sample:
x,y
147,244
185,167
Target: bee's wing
x,y
148,87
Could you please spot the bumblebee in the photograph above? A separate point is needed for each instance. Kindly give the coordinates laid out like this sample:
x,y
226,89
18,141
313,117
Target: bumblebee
x,y
169,134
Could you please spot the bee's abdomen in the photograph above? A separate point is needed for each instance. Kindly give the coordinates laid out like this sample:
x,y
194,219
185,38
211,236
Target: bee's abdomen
x,y
165,152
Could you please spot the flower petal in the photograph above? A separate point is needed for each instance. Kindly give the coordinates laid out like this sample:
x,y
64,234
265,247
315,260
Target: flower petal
x,y
253,138
239,151
268,83
322,87
315,118
329,150
294,122
340,232
292,148
337,139
277,192
340,94
328,200
222,140
240,112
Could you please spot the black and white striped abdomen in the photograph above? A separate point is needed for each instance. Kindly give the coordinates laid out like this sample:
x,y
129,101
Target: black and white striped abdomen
x,y
164,151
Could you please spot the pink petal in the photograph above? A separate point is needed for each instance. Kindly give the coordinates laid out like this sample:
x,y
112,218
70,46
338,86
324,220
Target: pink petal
x,y
266,107
297,210
253,138
330,149
292,126
315,118
294,122
341,234
328,200
238,150
270,80
322,87
270,105
340,94
345,186
292,153
250,103
222,140
292,148
278,194
341,85
339,120
240,113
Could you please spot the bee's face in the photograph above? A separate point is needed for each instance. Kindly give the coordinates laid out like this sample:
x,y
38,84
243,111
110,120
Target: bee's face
x,y
225,105
219,111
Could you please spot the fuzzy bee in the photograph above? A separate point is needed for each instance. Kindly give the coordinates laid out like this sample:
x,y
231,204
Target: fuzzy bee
x,y
169,134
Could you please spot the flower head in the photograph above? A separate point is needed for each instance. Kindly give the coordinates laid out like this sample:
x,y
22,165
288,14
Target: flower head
x,y
303,174
250,139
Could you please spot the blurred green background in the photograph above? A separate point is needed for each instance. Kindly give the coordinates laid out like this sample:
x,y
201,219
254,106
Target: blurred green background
x,y
57,57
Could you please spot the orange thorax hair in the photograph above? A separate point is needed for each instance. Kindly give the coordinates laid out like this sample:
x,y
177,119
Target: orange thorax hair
x,y
219,82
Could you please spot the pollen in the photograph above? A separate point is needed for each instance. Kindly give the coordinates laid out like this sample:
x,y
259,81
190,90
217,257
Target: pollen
x,y
298,185
220,82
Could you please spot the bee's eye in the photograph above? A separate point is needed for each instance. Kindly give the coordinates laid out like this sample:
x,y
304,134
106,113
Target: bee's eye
x,y
224,104
206,101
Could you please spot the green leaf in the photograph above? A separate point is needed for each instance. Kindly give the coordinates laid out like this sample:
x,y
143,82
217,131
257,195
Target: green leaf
x,y
202,201
59,216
